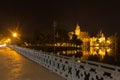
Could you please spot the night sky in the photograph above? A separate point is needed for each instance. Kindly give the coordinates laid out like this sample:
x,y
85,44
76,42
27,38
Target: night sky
x,y
37,15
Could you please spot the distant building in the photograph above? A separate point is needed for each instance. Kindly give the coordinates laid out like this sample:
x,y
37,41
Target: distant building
x,y
77,31
84,36
99,40
70,34
80,34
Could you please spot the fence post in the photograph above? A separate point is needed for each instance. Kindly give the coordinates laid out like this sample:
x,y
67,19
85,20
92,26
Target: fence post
x,y
52,56
73,68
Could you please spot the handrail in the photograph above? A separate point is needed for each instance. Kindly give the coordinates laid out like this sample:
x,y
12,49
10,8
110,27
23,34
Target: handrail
x,y
69,68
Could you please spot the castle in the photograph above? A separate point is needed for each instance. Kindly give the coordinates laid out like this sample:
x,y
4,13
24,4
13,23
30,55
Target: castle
x,y
98,40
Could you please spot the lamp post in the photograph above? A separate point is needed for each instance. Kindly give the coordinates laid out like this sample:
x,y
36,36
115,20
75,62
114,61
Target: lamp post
x,y
115,39
8,41
14,35
54,28
52,57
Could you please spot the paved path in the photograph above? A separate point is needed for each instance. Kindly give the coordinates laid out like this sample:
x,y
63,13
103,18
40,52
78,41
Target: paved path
x,y
13,66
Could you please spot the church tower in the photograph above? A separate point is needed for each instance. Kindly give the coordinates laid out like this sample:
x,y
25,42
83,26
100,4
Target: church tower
x,y
77,31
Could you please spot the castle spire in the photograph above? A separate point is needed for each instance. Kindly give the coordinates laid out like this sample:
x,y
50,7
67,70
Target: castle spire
x,y
77,31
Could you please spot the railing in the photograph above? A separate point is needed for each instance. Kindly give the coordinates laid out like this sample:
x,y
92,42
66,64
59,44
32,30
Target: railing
x,y
70,69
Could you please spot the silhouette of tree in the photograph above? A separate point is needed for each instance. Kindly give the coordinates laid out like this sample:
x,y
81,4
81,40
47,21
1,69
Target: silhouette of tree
x,y
62,35
76,41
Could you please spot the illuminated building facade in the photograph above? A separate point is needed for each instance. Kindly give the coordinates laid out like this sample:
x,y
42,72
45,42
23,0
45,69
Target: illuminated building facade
x,y
77,31
99,40
84,36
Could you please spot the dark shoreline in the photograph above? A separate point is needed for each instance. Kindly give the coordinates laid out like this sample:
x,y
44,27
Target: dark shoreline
x,y
51,48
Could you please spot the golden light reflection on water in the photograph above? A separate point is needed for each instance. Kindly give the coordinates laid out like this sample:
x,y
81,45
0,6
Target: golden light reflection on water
x,y
86,53
100,51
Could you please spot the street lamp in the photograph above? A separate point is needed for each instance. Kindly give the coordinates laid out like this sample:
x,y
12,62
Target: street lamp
x,y
8,41
54,28
14,35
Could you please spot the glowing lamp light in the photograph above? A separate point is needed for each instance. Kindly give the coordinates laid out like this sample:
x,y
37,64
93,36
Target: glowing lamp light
x,y
8,39
14,34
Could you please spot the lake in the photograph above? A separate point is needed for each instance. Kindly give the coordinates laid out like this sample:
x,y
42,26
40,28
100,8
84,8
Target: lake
x,y
99,54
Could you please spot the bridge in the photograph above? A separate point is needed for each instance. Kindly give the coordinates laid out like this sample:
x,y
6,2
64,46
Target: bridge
x,y
67,68
14,66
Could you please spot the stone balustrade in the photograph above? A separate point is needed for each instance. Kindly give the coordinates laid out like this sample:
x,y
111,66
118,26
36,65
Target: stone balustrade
x,y
69,68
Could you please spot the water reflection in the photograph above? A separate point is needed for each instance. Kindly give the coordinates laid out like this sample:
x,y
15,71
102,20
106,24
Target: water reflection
x,y
88,53
99,52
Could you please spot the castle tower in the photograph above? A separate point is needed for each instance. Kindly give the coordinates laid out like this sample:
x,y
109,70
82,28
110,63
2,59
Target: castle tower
x,y
77,31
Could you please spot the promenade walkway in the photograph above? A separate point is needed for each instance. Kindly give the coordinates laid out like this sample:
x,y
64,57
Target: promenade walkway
x,y
14,66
